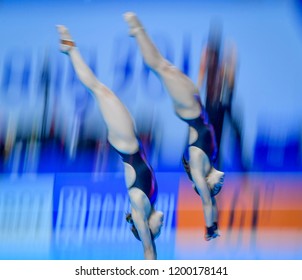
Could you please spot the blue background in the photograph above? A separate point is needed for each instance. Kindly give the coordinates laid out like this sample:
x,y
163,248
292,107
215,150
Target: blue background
x,y
51,129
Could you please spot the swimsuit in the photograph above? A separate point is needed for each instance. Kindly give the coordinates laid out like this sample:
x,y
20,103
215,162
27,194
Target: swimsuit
x,y
145,178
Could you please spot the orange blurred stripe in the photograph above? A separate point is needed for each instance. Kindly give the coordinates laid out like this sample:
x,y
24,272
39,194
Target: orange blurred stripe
x,y
246,203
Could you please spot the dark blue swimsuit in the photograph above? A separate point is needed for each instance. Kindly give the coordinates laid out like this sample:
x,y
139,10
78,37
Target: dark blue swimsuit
x,y
205,141
206,136
145,178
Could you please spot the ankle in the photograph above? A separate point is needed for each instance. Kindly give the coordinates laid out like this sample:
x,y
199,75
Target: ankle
x,y
69,43
135,30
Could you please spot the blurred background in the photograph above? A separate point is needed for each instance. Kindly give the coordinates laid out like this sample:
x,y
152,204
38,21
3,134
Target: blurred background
x,y
62,191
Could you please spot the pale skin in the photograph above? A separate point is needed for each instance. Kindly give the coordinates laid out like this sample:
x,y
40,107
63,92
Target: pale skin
x,y
122,136
181,90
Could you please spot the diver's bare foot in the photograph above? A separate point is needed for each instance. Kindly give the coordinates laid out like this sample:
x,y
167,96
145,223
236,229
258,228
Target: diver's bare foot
x,y
133,22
